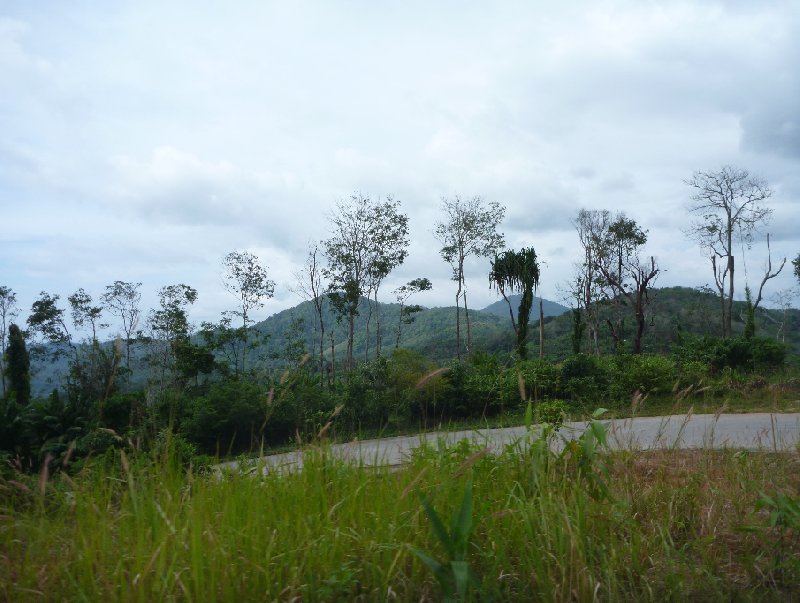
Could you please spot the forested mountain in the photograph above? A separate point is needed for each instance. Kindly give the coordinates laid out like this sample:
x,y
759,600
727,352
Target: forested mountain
x,y
674,313
550,308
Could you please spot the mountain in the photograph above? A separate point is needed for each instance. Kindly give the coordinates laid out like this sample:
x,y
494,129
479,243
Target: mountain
x,y
550,308
674,312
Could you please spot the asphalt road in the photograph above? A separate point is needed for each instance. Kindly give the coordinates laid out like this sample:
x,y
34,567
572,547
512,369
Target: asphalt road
x,y
757,431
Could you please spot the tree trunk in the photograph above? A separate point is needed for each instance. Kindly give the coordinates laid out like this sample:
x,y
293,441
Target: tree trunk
x,y
377,326
729,312
468,347
541,328
366,332
458,321
333,358
351,331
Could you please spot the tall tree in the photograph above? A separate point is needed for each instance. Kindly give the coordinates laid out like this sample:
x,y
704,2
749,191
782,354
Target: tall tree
x,y
18,367
730,206
589,286
92,377
310,286
47,320
8,312
625,272
389,249
517,271
469,229
248,280
122,300
369,239
169,324
406,313
796,263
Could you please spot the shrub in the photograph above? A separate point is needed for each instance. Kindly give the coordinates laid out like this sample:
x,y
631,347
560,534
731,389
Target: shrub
x,y
643,373
552,411
542,378
738,353
584,379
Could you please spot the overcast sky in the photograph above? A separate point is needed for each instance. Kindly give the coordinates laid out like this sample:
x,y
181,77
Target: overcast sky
x,y
142,141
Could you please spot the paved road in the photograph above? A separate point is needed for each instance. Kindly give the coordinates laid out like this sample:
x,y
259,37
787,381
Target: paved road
x,y
758,431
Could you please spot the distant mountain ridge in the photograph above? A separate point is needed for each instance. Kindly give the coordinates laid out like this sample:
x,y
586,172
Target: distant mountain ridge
x,y
550,308
675,312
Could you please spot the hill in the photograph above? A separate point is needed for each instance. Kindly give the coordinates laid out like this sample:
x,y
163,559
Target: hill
x,y
550,308
675,312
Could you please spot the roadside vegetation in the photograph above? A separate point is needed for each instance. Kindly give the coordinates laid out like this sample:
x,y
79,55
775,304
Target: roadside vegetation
x,y
457,521
107,448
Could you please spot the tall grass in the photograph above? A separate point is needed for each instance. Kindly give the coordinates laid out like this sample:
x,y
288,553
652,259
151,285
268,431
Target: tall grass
x,y
670,525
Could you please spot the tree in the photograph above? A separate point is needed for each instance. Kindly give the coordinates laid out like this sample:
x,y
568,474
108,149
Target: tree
x,y
389,249
18,367
769,274
589,288
730,206
796,263
406,313
369,240
625,272
310,287
468,229
8,312
517,271
170,326
122,300
84,313
47,320
247,279
92,379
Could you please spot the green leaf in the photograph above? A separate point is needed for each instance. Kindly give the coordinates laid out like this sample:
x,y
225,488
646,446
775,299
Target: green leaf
x,y
461,577
438,526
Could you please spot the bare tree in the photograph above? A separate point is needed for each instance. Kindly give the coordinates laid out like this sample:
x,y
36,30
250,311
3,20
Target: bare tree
x,y
469,229
729,203
769,274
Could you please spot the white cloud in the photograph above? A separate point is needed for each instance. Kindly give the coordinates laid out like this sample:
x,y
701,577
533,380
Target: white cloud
x,y
143,142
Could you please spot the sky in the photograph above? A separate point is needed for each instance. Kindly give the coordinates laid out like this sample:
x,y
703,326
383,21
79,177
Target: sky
x,y
142,141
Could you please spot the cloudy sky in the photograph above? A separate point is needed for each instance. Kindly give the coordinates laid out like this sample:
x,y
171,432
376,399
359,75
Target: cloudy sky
x,y
142,141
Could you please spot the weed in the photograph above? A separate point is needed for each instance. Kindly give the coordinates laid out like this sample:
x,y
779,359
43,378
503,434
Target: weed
x,y
453,573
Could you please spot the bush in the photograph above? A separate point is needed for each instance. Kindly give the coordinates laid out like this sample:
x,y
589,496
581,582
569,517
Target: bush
x,y
542,378
552,411
644,373
585,379
738,353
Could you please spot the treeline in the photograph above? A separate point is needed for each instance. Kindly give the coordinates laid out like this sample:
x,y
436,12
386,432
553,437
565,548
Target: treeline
x,y
211,385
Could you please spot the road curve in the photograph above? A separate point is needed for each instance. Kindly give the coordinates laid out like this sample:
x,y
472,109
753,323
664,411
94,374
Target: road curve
x,y
755,431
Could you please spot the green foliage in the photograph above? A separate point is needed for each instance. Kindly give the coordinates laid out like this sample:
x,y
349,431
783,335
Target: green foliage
x,y
552,412
18,368
542,379
750,320
644,373
517,271
578,328
585,379
734,352
453,573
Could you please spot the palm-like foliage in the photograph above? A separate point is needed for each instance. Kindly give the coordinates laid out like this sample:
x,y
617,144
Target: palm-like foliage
x,y
517,271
